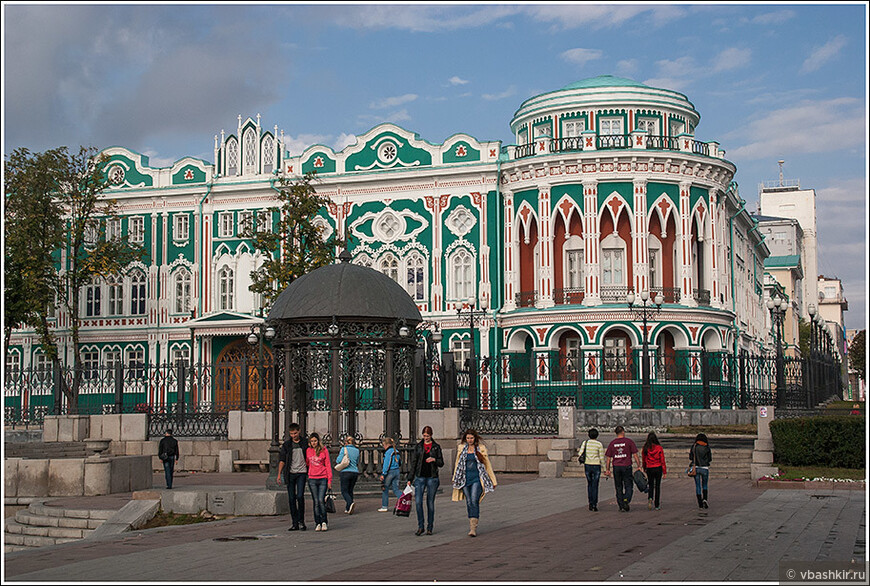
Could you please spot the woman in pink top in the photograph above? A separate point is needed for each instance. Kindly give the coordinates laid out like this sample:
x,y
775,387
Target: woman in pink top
x,y
319,478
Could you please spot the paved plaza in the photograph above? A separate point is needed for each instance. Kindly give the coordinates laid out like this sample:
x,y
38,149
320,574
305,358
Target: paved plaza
x,y
531,529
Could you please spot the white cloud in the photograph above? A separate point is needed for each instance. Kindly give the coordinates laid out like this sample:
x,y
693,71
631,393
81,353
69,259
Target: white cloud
x,y
823,54
393,101
456,80
505,94
394,117
581,56
601,15
344,140
155,160
778,17
627,67
808,127
732,58
295,145
671,83
418,18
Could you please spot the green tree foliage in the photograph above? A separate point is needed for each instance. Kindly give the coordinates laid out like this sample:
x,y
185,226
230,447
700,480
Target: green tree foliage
x,y
804,333
56,199
294,246
858,353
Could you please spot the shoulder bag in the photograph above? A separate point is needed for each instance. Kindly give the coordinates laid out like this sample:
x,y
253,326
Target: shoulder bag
x,y
690,471
582,457
329,502
344,462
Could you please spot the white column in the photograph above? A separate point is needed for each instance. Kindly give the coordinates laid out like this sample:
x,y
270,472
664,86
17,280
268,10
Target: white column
x,y
639,239
511,257
685,242
545,247
591,248
714,252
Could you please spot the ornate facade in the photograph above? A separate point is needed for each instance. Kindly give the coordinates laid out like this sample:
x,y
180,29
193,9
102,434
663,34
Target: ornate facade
x,y
606,192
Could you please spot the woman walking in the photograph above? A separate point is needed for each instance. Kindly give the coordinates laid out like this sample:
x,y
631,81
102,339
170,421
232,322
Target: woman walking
x,y
473,476
592,452
655,468
389,473
319,478
348,474
426,459
700,457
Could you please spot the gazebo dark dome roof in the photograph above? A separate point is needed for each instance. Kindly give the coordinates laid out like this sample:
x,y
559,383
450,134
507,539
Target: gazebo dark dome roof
x,y
345,291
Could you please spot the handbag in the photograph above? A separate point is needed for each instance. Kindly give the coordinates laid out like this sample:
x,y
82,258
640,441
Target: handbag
x,y
640,481
403,505
344,463
582,457
329,502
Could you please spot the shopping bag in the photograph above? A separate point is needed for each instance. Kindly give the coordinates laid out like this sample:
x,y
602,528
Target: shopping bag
x,y
329,502
403,505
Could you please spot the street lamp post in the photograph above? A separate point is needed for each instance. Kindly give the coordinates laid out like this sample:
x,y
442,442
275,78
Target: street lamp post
x,y
474,318
259,332
777,307
644,311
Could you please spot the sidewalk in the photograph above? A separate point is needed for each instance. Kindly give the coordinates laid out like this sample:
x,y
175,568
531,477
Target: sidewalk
x,y
530,530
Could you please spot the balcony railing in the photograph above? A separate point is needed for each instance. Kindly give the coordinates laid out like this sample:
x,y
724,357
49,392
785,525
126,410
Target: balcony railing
x,y
700,148
614,141
615,294
567,144
568,296
526,298
662,143
542,146
702,296
669,294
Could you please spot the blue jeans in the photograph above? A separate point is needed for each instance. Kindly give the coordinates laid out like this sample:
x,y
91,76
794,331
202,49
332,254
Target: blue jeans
x,y
391,482
473,492
169,470
593,475
431,487
317,486
701,477
348,482
296,494
624,482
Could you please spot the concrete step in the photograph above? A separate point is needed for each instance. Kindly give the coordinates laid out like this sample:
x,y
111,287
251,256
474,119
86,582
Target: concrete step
x,y
44,510
14,527
30,541
26,517
41,524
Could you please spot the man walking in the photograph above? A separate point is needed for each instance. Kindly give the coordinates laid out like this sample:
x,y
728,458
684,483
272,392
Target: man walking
x,y
291,462
618,456
168,453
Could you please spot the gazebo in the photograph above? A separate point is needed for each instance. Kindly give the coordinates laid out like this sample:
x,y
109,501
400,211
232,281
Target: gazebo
x,y
345,338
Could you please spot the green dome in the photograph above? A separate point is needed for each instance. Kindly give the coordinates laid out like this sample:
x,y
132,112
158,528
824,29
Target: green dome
x,y
603,81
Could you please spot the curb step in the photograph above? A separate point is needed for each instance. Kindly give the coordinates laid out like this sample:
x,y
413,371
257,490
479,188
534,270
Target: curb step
x,y
40,525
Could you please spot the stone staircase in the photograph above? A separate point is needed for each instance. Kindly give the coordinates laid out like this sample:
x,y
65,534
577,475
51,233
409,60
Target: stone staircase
x,y
727,463
43,450
40,524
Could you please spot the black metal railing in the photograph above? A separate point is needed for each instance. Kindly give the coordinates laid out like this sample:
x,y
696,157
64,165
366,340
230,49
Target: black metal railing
x,y
662,143
566,144
510,422
568,296
615,294
702,296
669,294
526,298
613,141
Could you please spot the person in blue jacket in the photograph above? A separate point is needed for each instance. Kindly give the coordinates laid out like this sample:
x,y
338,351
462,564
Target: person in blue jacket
x,y
349,474
390,473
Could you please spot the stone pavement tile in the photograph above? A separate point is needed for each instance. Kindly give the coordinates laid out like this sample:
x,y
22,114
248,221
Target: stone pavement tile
x,y
573,545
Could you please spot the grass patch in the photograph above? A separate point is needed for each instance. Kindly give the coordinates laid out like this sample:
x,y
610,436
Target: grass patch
x,y
746,429
810,472
164,519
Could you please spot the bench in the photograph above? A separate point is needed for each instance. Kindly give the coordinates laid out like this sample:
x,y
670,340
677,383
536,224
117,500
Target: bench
x,y
263,465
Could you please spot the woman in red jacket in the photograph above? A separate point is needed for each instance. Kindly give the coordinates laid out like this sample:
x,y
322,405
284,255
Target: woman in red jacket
x,y
654,465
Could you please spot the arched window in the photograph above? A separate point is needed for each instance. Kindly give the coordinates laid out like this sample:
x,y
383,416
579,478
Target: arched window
x,y
232,151
111,358
182,291
137,293
363,260
13,370
612,261
116,295
93,294
416,273
250,152
655,262
389,265
268,154
461,275
226,288
573,263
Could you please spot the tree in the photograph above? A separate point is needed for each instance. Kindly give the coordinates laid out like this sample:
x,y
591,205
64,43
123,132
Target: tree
x,y
66,252
296,245
804,335
858,353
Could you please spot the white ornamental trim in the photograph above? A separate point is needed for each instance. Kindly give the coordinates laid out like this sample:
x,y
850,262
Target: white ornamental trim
x,y
379,229
460,221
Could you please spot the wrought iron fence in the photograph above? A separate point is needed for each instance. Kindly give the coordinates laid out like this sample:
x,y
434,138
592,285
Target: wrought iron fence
x,y
510,422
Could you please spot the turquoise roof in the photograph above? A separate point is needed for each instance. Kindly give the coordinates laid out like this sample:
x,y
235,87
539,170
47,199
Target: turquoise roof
x,y
788,260
603,81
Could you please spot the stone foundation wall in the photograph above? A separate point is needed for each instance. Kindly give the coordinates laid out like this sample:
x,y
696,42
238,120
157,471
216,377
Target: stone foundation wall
x,y
76,476
658,418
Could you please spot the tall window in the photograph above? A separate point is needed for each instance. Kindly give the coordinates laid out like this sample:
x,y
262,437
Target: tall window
x,y
573,263
246,222
415,285
615,354
232,157
112,358
13,366
113,228
610,126
250,151
226,284
655,261
461,350
136,363
93,292
389,265
225,224
611,266
92,233
462,274
651,125
181,227
264,221
116,295
41,367
182,291
136,230
90,364
137,293
268,153
574,128
180,355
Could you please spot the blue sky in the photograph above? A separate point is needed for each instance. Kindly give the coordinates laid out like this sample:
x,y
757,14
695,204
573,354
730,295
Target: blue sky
x,y
771,81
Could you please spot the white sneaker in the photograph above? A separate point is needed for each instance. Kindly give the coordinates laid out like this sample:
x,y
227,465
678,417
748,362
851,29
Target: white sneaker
x,y
350,508
318,527
383,510
323,527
